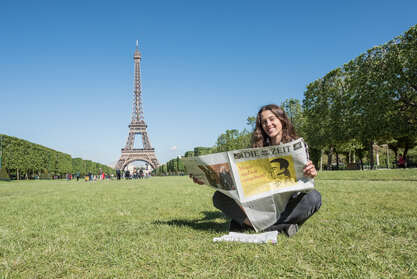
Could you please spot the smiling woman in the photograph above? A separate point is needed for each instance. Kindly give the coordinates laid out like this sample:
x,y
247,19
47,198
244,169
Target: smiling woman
x,y
272,128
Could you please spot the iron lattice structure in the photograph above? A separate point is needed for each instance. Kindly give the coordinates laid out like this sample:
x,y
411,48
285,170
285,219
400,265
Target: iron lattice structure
x,y
137,127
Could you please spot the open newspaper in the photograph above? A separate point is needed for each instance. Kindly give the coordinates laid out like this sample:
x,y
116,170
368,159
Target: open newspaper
x,y
261,180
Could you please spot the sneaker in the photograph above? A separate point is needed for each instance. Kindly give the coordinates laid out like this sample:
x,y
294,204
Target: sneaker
x,y
289,229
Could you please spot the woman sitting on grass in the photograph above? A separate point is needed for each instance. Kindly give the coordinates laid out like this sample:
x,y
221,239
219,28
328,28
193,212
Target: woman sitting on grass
x,y
272,128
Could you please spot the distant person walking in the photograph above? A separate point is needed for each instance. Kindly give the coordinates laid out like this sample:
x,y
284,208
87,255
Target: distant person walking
x,y
401,162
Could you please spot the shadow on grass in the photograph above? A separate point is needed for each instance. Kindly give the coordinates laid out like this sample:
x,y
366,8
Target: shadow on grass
x,y
203,224
211,215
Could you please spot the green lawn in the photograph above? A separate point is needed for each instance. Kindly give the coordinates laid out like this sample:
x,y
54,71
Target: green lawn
x,y
383,174
163,228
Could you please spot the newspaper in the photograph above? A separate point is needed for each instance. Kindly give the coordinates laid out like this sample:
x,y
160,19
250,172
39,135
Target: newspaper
x,y
266,237
261,180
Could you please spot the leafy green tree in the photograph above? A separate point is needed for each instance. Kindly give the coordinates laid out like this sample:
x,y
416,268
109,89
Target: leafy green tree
x,y
64,163
13,155
189,154
201,150
294,111
180,165
89,166
77,165
3,172
164,169
400,79
251,122
4,176
232,140
52,163
317,122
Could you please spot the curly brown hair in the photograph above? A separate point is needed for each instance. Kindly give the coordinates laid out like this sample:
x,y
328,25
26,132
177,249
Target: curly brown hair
x,y
261,139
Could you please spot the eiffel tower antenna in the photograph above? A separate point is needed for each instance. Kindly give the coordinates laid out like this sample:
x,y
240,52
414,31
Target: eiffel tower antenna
x,y
137,126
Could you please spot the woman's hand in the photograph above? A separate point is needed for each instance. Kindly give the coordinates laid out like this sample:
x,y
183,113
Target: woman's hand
x,y
310,170
195,180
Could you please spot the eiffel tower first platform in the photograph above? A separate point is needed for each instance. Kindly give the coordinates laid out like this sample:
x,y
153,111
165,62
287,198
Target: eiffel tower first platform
x,y
137,127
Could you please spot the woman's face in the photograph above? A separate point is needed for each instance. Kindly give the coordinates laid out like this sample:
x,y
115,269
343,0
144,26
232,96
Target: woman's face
x,y
272,126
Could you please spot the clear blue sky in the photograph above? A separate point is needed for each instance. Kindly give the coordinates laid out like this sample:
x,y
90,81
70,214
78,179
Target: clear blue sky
x,y
66,67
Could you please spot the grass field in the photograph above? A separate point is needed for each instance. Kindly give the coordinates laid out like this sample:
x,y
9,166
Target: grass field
x,y
163,228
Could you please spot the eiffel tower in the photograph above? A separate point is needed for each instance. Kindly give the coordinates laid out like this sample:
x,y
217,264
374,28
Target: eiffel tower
x,y
137,127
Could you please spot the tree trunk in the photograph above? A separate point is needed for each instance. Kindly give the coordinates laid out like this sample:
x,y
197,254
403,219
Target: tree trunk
x,y
405,153
321,160
371,156
329,158
337,160
360,157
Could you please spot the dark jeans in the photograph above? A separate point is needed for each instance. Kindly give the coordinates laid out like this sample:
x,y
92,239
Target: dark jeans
x,y
299,208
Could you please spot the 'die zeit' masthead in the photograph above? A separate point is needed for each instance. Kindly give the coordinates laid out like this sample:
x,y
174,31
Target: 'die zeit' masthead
x,y
273,150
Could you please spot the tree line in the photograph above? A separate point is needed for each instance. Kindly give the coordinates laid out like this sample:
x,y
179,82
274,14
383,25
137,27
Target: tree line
x,y
172,167
23,159
371,100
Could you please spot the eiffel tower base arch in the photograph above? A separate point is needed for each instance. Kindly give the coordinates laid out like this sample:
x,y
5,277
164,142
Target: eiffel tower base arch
x,y
129,156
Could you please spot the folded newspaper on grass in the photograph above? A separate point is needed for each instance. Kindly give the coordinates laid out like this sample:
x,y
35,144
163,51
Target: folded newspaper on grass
x,y
261,180
266,237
